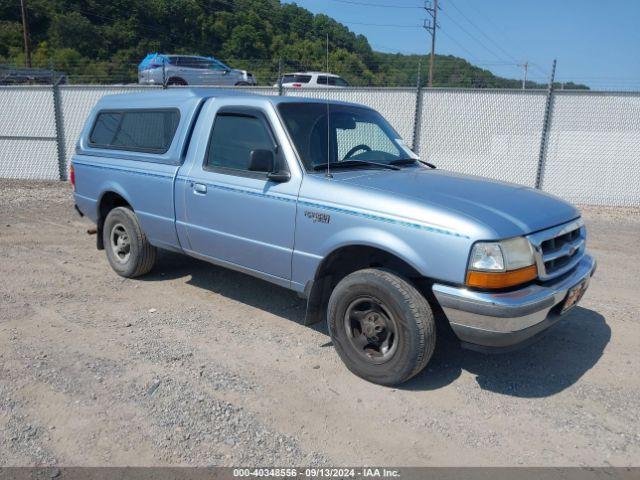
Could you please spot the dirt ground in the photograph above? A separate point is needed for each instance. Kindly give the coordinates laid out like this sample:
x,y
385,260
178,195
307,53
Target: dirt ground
x,y
197,365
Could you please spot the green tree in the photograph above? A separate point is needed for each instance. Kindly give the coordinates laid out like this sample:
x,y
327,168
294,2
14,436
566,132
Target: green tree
x,y
73,30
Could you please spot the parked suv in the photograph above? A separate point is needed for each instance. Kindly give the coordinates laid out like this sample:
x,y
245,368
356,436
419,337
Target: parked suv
x,y
157,69
312,80
324,198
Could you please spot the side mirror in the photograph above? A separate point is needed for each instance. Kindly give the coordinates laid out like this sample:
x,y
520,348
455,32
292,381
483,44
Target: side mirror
x,y
261,161
264,161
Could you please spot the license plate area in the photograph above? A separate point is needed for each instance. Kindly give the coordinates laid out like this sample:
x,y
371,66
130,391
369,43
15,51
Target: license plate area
x,y
574,295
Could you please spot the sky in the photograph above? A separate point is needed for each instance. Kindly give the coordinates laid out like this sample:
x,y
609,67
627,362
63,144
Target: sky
x,y
595,42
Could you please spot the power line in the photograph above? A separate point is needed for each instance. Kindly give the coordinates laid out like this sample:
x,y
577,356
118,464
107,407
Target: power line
x,y
482,32
380,47
540,69
473,37
471,54
496,27
500,30
367,4
379,24
524,65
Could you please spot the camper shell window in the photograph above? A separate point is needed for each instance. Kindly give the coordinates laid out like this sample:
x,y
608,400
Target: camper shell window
x,y
135,130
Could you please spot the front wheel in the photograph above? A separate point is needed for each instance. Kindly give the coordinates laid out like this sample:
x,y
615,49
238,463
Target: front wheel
x,y
381,325
128,250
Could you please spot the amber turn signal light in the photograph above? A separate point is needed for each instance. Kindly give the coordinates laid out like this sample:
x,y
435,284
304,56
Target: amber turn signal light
x,y
493,280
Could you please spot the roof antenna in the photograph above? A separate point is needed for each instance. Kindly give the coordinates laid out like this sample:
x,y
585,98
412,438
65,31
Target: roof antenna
x,y
328,173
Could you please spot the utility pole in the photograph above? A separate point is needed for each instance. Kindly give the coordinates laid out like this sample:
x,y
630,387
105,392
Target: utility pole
x,y
526,70
431,27
25,34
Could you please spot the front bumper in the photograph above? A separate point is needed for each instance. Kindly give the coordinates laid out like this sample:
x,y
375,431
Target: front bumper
x,y
485,320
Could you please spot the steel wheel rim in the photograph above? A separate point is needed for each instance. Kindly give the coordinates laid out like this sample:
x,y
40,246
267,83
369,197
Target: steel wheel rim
x,y
371,329
120,243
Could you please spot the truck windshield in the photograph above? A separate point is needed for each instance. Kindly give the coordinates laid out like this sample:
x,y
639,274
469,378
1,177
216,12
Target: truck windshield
x,y
354,135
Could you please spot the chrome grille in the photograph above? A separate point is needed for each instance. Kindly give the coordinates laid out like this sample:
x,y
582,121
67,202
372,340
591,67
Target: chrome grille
x,y
559,249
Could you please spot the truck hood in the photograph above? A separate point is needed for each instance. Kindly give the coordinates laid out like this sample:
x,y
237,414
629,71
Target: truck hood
x,y
504,208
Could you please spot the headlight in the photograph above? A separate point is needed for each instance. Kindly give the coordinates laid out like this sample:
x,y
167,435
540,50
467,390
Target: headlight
x,y
501,264
487,256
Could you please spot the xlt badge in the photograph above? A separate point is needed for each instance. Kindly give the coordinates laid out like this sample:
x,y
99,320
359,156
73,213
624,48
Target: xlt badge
x,y
317,216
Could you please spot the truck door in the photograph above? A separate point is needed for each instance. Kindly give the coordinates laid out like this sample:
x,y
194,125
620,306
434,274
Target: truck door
x,y
235,216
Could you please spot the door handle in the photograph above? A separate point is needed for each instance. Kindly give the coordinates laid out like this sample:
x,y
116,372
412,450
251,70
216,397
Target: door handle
x,y
199,188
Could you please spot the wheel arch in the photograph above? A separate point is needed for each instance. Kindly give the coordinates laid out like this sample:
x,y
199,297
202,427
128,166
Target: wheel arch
x,y
175,80
111,198
347,259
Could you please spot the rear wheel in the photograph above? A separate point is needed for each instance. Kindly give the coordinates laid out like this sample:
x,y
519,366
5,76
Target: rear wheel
x,y
128,250
381,325
176,81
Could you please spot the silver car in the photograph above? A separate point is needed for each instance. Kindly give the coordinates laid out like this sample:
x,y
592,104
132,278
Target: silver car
x,y
158,69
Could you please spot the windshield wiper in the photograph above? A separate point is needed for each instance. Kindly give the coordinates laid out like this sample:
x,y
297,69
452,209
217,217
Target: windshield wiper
x,y
354,163
408,161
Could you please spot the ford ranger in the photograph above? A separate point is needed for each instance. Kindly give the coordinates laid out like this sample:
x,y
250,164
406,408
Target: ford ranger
x,y
326,199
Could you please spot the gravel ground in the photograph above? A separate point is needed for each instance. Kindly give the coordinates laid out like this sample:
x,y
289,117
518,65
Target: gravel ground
x,y
197,365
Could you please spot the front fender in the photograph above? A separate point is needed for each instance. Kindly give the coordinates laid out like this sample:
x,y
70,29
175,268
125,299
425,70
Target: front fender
x,y
433,254
318,286
384,240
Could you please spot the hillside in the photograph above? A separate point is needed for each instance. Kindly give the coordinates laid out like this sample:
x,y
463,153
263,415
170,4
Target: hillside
x,y
95,41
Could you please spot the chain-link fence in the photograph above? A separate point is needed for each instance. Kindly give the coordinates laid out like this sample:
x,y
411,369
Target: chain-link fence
x,y
584,147
493,133
28,140
592,153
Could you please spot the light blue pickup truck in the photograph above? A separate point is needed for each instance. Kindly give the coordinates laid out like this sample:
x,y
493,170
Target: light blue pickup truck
x,y
325,198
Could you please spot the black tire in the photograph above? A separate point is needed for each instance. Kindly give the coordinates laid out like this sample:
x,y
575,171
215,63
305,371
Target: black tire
x,y
176,81
401,307
243,84
141,254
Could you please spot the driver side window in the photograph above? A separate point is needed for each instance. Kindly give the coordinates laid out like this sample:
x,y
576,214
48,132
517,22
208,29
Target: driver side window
x,y
365,133
233,138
